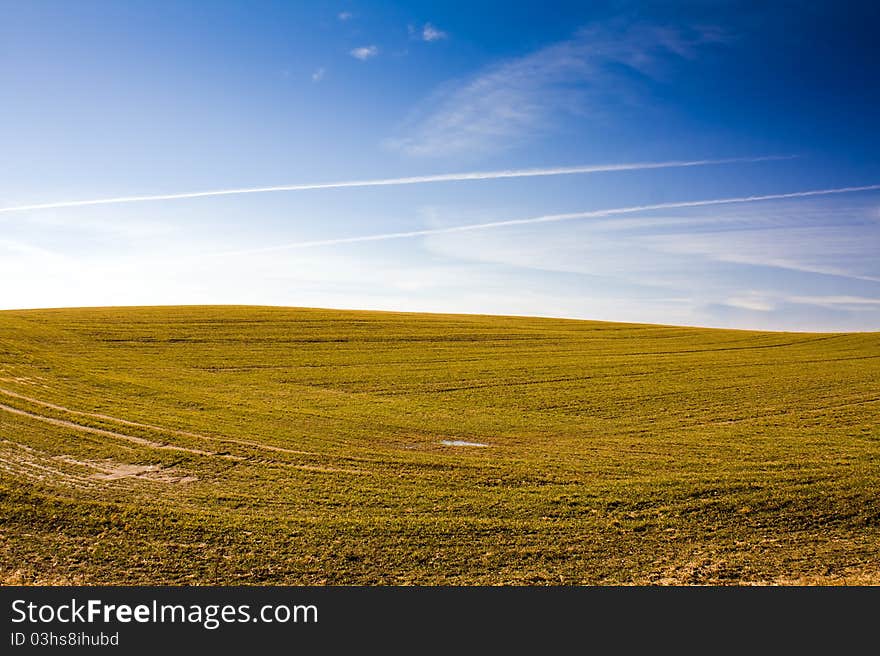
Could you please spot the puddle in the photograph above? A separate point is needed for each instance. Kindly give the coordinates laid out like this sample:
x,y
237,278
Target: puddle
x,y
461,443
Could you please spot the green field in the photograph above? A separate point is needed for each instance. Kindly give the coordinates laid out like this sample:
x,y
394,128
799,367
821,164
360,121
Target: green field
x,y
255,445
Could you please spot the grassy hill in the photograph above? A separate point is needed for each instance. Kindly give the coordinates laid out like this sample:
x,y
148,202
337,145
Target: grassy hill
x,y
258,445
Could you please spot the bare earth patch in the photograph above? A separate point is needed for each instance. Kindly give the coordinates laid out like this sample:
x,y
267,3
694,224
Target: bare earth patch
x,y
845,578
20,577
35,464
708,571
109,470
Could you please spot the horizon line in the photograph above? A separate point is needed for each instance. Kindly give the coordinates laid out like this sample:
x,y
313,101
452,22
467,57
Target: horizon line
x,y
432,312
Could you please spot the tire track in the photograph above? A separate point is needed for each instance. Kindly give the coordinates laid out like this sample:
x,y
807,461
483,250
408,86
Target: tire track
x,y
162,429
31,464
141,441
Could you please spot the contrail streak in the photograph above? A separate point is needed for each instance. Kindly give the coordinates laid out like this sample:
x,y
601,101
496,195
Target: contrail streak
x,y
550,218
385,182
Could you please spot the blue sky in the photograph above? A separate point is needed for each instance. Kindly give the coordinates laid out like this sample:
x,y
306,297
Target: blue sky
x,y
105,101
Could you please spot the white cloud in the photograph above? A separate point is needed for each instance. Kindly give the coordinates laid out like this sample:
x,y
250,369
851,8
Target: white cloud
x,y
365,52
344,15
318,75
755,301
431,33
511,101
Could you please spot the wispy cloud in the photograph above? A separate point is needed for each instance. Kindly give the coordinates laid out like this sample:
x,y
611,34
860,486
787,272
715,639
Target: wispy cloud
x,y
365,52
431,33
510,101
748,265
763,302
318,75
837,302
826,251
752,300
344,15
23,248
572,216
422,179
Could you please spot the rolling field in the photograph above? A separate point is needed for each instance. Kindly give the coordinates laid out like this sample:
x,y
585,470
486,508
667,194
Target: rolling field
x,y
253,445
